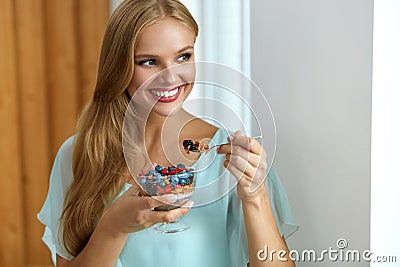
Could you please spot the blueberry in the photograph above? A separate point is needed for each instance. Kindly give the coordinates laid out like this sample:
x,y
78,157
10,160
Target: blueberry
x,y
180,166
171,168
174,180
143,181
187,143
158,176
158,168
183,181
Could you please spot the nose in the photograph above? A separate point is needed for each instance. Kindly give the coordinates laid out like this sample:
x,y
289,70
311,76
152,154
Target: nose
x,y
169,76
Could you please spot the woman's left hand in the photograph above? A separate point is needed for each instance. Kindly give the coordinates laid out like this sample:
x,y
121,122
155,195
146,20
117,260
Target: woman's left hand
x,y
246,160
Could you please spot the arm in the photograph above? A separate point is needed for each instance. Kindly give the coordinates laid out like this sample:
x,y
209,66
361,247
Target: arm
x,y
246,160
130,213
262,231
102,249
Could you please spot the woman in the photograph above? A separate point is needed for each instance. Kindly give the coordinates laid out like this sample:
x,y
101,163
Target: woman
x,y
97,218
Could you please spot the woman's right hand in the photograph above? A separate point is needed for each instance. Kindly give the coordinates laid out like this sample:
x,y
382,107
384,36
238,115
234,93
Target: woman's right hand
x,y
133,213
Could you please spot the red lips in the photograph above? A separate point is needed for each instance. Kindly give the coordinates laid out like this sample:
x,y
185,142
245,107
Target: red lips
x,y
167,99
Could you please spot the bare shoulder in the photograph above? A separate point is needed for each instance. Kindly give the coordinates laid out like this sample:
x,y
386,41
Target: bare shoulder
x,y
199,129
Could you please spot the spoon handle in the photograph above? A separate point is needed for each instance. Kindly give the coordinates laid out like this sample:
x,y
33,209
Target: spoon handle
x,y
258,138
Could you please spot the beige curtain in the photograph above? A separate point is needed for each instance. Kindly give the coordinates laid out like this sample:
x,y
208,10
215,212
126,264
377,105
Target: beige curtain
x,y
49,51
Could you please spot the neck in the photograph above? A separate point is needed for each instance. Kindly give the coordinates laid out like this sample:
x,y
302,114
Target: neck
x,y
162,136
159,127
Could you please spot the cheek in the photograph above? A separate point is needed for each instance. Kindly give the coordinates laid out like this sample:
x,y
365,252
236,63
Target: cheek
x,y
138,79
188,73
189,77
132,88
188,89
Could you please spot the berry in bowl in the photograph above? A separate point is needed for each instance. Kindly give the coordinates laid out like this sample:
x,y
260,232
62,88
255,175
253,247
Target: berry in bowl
x,y
177,180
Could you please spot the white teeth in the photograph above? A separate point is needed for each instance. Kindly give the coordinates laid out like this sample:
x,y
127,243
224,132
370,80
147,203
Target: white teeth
x,y
165,93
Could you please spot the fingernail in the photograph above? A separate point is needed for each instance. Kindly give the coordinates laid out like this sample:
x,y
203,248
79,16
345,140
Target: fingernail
x,y
172,198
191,203
230,138
239,132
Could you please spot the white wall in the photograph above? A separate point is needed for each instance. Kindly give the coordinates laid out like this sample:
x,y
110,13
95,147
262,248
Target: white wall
x,y
385,197
114,4
313,60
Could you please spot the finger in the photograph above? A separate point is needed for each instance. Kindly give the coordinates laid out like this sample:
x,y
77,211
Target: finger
x,y
224,149
247,143
237,173
253,183
241,164
166,216
151,202
249,157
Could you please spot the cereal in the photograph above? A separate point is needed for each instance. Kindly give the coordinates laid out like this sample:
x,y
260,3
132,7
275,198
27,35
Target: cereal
x,y
177,180
195,146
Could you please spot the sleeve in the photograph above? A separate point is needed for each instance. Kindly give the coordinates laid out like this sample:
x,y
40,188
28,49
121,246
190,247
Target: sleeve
x,y
49,215
236,228
280,205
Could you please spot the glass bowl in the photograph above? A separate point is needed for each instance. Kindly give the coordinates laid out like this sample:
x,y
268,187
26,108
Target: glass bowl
x,y
177,180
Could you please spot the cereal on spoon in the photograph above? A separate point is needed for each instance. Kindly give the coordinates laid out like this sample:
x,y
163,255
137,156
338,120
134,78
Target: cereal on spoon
x,y
195,146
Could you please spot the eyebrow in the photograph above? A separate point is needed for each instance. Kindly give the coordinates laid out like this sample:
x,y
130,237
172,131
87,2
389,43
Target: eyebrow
x,y
154,56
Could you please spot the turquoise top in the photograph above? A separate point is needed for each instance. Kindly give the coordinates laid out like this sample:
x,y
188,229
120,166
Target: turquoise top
x,y
217,237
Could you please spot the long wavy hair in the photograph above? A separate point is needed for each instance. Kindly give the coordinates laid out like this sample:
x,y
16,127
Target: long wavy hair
x,y
99,168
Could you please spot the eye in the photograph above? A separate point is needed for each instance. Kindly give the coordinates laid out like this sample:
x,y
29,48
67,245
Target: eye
x,y
184,57
147,62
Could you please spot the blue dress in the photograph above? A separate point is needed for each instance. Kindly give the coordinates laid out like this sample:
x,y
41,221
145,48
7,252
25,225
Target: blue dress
x,y
217,236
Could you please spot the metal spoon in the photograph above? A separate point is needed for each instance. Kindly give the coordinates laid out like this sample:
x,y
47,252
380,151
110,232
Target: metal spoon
x,y
258,138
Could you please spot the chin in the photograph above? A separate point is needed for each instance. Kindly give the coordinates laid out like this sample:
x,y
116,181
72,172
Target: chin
x,y
166,111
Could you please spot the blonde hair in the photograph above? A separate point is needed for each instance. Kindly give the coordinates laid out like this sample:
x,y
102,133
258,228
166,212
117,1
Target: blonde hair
x,y
99,168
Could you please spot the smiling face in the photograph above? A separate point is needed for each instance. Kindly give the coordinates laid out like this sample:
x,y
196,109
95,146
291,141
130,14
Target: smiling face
x,y
160,53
